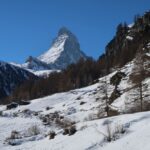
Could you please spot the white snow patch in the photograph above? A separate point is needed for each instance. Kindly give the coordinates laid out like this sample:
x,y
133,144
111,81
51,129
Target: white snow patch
x,y
129,38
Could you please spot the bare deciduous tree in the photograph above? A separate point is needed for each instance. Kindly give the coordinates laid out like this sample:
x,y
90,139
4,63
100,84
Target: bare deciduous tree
x,y
138,74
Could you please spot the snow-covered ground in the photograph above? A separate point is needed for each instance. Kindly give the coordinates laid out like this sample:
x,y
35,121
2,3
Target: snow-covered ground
x,y
91,135
85,107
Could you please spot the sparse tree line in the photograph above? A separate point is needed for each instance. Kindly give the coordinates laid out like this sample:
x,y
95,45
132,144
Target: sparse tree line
x,y
74,76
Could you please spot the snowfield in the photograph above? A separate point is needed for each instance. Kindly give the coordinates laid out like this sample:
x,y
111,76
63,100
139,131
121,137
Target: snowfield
x,y
90,134
85,107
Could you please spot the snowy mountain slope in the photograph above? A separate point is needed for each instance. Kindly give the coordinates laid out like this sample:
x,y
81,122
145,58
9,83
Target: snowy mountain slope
x,y
55,51
85,106
36,67
35,64
11,76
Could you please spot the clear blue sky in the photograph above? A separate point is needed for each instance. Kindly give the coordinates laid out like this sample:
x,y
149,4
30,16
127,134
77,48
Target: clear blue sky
x,y
27,27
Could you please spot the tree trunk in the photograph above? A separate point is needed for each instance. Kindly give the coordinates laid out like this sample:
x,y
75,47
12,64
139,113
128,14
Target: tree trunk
x,y
141,96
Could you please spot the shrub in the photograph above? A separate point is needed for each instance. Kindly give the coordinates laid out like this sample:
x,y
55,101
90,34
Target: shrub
x,y
91,116
64,123
47,108
113,112
1,113
66,131
109,136
113,133
13,139
33,130
15,114
78,98
70,130
14,135
45,119
27,112
119,128
52,134
81,103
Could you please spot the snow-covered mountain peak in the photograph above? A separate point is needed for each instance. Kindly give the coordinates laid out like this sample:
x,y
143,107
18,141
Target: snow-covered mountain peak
x,y
65,50
65,31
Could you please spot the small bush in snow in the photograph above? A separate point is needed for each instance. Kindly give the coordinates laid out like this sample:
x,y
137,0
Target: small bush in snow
x,y
12,139
52,134
82,103
90,117
64,123
119,128
1,113
33,130
71,110
17,138
27,112
45,120
113,133
78,98
15,114
66,131
15,135
109,135
47,108
70,130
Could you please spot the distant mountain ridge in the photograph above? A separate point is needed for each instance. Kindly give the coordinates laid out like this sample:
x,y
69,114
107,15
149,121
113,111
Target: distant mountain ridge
x,y
12,76
35,64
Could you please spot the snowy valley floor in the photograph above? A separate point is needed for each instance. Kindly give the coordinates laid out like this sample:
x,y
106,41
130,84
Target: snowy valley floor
x,y
85,107
90,134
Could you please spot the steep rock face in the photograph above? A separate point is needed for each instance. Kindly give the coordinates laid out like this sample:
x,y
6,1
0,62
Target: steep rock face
x,y
10,77
127,41
65,50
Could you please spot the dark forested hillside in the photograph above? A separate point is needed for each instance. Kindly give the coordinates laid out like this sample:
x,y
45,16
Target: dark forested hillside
x,y
74,76
11,77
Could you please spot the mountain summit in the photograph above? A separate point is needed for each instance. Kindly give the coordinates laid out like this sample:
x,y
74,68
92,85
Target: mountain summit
x,y
65,50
